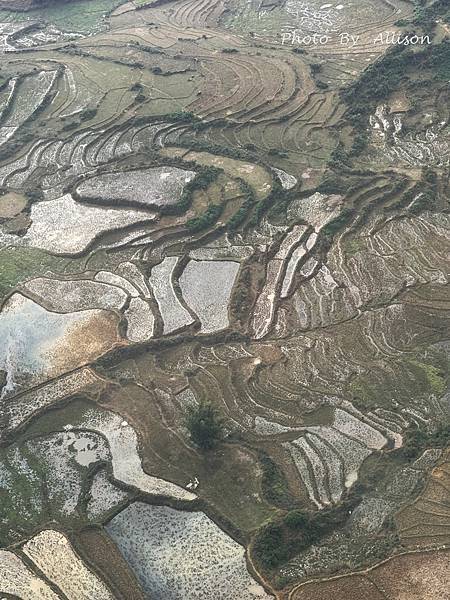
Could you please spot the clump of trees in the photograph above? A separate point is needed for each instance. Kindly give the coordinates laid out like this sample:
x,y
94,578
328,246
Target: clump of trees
x,y
182,116
242,297
203,179
274,484
277,152
87,114
417,440
376,84
379,81
422,196
193,143
3,378
437,58
382,78
336,224
207,219
426,16
281,540
278,199
249,201
205,426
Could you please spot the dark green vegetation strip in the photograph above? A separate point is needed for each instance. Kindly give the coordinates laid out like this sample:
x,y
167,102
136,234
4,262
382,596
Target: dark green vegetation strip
x,y
282,539
242,214
382,78
417,441
201,181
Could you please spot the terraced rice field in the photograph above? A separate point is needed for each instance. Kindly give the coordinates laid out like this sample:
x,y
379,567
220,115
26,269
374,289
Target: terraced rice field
x,y
52,553
425,521
41,345
155,187
224,300
417,575
182,555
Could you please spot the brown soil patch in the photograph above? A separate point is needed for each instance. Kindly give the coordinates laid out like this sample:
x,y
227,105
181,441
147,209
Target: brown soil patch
x,y
426,521
11,204
85,342
107,560
415,576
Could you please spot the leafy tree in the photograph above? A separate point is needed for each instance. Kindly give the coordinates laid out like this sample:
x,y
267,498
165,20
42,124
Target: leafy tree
x,y
297,519
417,440
283,538
205,426
207,219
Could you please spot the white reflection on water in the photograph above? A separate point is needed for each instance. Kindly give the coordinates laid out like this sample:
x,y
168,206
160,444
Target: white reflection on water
x,y
36,344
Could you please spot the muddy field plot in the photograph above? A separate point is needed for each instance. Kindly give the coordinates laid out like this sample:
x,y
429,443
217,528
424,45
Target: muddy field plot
x,y
425,522
156,187
412,576
182,555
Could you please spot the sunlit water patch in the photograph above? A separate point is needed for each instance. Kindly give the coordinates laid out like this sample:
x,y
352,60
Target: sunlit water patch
x,y
39,345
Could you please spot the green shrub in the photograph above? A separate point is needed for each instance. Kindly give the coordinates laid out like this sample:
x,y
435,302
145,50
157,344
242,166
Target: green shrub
x,y
205,426
204,178
281,540
181,116
343,219
417,440
274,484
249,201
208,218
88,114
